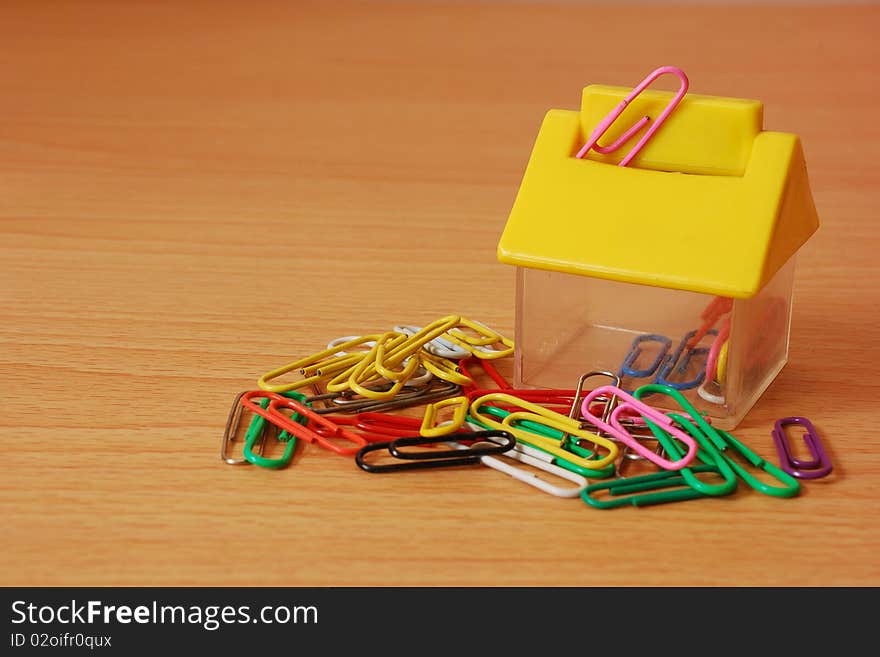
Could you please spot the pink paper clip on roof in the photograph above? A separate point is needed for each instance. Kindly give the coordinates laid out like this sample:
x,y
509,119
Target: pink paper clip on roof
x,y
603,125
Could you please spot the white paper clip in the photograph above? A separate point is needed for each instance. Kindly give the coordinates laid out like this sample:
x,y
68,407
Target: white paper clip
x,y
537,459
520,453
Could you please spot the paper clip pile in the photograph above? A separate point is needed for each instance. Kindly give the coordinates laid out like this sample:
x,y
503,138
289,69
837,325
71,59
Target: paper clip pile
x,y
577,435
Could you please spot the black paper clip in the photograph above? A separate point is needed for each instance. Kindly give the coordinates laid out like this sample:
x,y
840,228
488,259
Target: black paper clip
x,y
423,460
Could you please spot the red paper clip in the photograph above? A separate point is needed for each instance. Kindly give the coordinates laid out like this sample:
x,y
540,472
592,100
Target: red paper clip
x,y
552,397
465,365
350,421
377,427
330,431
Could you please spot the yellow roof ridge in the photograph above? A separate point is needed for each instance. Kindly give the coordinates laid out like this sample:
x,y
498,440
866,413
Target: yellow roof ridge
x,y
711,204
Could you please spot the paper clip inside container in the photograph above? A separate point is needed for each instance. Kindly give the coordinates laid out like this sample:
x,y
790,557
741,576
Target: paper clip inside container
x,y
675,366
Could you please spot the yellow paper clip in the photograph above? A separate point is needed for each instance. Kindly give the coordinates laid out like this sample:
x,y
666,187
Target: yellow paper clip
x,y
368,370
480,344
430,428
445,369
549,418
415,342
264,381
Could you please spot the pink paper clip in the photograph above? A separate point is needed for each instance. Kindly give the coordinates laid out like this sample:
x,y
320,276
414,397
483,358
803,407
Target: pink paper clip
x,y
632,406
604,124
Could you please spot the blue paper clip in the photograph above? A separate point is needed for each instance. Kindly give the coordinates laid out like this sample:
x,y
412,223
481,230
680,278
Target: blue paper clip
x,y
635,350
680,361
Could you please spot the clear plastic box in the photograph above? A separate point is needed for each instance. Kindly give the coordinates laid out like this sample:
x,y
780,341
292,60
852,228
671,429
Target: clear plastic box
x,y
568,325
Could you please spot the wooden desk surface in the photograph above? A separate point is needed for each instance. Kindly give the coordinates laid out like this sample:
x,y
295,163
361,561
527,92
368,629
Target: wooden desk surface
x,y
190,196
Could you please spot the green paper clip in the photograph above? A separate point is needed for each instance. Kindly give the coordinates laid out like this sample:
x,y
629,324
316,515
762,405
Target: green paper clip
x,y
709,441
259,424
621,490
790,487
707,453
724,441
695,415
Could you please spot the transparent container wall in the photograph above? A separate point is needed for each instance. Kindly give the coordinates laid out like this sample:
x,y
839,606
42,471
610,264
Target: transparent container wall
x,y
720,353
758,342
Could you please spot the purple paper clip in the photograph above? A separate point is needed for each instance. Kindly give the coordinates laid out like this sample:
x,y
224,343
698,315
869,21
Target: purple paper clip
x,y
817,466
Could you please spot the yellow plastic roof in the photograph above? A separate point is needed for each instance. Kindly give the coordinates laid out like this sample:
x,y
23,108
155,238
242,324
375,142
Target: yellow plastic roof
x,y
712,203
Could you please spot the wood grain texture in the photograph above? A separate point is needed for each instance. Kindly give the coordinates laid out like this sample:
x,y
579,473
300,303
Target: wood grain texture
x,y
192,194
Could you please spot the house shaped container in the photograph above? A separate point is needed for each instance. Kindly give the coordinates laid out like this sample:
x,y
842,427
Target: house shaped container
x,y
675,269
